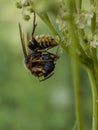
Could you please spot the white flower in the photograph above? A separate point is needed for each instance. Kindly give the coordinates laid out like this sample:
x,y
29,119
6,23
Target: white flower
x,y
83,19
24,1
94,41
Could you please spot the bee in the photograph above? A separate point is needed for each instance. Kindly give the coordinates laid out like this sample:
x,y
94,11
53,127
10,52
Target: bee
x,y
39,60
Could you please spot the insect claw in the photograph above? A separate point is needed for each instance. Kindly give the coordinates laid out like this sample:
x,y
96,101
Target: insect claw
x,y
46,77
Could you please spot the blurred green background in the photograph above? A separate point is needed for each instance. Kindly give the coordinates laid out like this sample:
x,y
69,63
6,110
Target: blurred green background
x,y
26,103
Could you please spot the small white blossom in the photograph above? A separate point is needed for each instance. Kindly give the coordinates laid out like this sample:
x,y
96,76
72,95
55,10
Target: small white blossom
x,y
61,23
23,1
83,19
94,41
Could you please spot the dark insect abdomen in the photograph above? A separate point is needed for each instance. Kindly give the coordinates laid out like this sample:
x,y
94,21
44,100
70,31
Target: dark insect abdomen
x,y
48,65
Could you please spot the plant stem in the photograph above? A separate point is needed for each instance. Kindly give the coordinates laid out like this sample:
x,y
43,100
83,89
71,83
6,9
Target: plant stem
x,y
77,94
94,96
46,19
78,5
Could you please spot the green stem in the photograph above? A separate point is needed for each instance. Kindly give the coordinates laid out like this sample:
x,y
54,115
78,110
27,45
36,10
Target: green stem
x,y
77,94
78,5
93,26
46,19
76,44
94,96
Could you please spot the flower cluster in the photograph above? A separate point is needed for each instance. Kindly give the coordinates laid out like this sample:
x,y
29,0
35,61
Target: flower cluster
x,y
77,27
83,19
26,8
39,6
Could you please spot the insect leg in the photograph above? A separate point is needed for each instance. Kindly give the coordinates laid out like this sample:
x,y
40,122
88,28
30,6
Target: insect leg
x,y
39,60
34,25
46,77
22,41
52,46
54,55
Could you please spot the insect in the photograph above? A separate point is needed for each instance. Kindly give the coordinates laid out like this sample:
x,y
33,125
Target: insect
x,y
42,41
39,60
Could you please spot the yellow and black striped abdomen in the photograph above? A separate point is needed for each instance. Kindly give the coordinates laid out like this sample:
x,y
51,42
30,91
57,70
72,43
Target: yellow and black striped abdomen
x,y
45,41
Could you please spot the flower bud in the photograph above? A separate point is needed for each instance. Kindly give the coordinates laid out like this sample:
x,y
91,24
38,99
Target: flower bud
x,y
26,17
19,4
